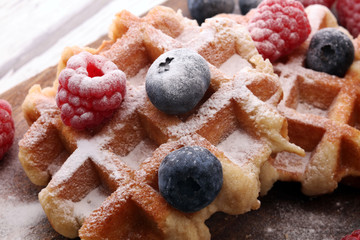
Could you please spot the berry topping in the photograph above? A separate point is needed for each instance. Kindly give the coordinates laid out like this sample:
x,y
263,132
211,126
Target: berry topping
x,y
202,9
7,128
330,51
91,88
355,235
177,80
247,5
327,3
278,27
190,178
348,14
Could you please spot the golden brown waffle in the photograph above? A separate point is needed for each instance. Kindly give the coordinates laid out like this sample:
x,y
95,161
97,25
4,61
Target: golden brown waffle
x,y
323,115
104,182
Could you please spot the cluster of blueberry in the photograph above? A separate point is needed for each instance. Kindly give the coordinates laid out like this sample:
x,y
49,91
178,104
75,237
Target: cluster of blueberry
x,y
191,177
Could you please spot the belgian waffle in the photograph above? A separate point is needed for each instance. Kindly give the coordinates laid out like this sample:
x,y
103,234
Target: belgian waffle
x,y
103,184
322,113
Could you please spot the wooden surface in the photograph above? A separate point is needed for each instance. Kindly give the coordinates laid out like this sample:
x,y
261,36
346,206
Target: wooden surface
x,y
285,212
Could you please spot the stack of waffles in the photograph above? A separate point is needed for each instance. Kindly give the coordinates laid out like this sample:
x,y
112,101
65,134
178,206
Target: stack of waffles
x,y
102,184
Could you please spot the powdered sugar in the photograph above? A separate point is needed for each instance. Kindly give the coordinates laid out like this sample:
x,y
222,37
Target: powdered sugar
x,y
86,148
207,111
89,203
18,218
141,152
139,78
304,107
309,224
317,15
234,64
203,36
239,146
292,163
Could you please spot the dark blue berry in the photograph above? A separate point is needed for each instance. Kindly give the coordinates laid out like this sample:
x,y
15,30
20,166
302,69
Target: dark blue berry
x,y
247,5
202,9
190,178
330,51
177,81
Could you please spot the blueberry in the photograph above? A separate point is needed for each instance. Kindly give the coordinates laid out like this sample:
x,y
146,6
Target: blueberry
x,y
247,5
330,51
202,9
177,81
190,178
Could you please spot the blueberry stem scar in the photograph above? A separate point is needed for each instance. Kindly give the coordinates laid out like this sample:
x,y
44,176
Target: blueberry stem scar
x,y
165,66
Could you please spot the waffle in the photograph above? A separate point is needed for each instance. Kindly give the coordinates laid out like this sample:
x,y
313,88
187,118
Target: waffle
x,y
102,184
325,106
323,115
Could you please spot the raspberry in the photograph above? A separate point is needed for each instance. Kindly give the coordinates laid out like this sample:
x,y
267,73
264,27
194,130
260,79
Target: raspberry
x,y
91,88
349,15
355,235
7,128
278,27
327,3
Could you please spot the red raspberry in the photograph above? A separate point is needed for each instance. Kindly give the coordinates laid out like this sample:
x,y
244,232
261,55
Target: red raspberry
x,y
7,128
278,27
348,12
91,88
355,235
327,3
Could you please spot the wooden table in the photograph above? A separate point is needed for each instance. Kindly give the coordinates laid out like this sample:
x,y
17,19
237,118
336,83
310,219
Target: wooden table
x,y
285,212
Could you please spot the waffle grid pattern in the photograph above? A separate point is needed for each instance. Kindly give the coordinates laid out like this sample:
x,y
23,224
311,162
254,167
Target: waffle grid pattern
x,y
119,160
322,112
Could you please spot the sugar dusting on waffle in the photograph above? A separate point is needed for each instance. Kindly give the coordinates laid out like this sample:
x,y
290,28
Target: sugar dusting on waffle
x,y
101,164
322,104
